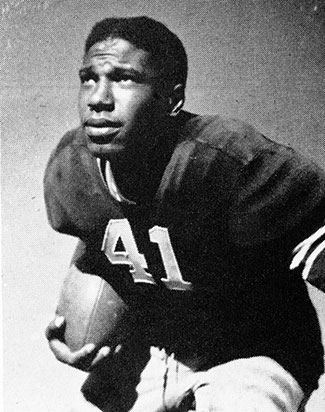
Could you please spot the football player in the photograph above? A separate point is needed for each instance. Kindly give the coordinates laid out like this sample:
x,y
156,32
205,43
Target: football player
x,y
205,212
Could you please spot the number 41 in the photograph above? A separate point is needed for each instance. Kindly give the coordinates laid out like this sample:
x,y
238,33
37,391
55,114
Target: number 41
x,y
121,229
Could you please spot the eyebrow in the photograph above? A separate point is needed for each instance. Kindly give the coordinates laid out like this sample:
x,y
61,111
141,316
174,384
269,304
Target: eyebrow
x,y
85,70
89,70
119,71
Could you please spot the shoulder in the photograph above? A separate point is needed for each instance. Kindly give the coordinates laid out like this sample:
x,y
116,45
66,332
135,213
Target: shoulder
x,y
71,163
270,188
231,137
72,142
76,199
255,161
258,157
279,192
213,143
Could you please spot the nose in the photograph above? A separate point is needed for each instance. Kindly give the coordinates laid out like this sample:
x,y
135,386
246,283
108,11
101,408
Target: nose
x,y
102,98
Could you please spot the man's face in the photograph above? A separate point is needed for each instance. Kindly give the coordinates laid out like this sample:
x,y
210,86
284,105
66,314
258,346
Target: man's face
x,y
118,101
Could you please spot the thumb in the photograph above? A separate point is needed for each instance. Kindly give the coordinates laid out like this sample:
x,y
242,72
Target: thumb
x,y
56,328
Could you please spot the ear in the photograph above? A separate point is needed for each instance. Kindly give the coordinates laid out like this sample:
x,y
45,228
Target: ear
x,y
176,99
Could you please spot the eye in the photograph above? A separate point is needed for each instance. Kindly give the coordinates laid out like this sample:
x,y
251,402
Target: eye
x,y
124,79
127,81
87,79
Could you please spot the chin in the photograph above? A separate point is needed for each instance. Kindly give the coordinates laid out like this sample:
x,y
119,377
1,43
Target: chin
x,y
105,151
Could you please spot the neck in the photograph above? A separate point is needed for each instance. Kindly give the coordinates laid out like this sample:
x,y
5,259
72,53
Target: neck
x,y
139,180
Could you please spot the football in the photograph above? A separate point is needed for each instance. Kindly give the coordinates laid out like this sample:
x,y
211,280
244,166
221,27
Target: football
x,y
93,310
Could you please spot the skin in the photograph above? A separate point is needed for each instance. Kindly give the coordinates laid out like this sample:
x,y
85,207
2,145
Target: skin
x,y
86,359
123,104
123,107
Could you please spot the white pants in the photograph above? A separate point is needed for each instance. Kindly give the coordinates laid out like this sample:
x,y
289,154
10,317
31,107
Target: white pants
x,y
257,384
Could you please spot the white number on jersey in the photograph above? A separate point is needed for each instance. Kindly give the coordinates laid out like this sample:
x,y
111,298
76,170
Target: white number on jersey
x,y
121,229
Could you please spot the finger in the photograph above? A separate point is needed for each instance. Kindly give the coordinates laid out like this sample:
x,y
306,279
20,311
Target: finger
x,y
80,359
58,321
117,349
60,350
101,355
56,328
85,354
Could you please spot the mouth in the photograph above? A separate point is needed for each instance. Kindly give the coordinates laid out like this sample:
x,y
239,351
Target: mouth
x,y
101,131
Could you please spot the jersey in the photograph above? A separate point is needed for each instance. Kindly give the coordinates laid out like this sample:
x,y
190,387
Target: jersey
x,y
209,254
309,258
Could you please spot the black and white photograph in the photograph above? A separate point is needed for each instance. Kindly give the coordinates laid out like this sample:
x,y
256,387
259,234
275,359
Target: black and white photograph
x,y
163,205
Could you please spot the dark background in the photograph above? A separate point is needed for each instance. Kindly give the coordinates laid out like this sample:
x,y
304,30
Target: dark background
x,y
262,61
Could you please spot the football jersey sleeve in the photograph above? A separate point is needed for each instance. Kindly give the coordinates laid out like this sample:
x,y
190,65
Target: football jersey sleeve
x,y
309,259
76,198
278,194
278,202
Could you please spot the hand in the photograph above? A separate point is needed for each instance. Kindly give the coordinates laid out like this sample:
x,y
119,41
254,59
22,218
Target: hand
x,y
86,358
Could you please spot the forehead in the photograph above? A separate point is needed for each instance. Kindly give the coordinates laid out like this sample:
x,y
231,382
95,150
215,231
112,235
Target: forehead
x,y
118,52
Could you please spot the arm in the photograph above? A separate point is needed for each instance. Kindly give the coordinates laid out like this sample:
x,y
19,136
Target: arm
x,y
83,294
85,358
76,205
280,201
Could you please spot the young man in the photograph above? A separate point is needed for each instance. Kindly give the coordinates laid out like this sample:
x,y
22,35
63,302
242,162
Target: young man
x,y
224,324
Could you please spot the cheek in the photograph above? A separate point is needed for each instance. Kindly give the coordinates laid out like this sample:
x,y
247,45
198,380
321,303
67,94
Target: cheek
x,y
82,105
134,103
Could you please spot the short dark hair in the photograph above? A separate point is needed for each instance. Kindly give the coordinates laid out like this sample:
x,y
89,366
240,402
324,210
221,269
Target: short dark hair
x,y
165,48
